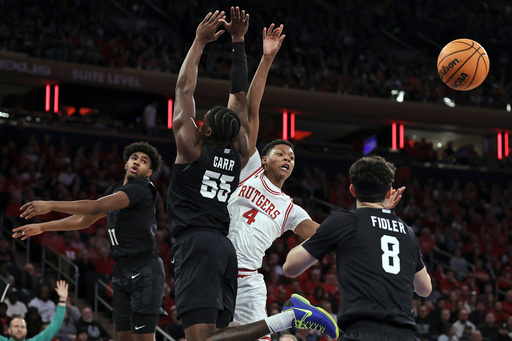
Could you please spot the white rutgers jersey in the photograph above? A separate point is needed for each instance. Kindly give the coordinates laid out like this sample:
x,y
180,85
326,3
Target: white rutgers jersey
x,y
260,213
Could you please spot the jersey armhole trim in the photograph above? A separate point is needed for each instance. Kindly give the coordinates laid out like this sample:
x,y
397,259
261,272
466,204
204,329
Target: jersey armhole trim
x,y
256,172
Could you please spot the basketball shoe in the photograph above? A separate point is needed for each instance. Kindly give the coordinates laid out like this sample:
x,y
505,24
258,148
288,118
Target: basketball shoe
x,y
310,317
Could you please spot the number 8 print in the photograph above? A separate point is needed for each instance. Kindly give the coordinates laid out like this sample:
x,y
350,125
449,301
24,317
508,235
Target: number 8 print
x,y
390,259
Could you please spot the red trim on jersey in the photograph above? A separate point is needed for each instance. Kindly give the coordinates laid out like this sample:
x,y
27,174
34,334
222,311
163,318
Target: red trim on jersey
x,y
250,176
266,338
288,210
267,187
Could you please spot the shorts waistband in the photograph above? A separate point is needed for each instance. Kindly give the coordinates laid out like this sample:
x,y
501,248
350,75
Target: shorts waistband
x,y
246,273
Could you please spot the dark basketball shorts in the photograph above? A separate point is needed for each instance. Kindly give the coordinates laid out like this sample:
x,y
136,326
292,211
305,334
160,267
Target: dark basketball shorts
x,y
138,291
364,331
205,269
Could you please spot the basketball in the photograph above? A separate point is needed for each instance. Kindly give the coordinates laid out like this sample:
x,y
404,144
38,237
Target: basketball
x,y
463,64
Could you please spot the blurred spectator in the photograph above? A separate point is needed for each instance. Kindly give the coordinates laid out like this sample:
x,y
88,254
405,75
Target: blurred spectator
x,y
95,329
14,306
462,323
45,307
489,328
150,119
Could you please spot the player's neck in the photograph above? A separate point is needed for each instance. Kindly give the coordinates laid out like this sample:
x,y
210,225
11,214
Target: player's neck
x,y
274,180
378,205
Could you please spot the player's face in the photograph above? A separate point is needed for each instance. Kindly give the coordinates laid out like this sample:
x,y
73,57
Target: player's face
x,y
280,161
138,166
18,329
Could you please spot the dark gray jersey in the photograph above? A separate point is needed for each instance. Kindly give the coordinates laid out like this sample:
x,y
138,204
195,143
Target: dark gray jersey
x,y
377,258
199,191
132,229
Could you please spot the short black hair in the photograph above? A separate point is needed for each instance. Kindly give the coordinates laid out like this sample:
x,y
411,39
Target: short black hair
x,y
274,143
144,147
371,176
224,123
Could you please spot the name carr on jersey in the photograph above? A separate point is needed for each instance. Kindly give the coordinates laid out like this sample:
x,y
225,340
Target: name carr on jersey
x,y
222,163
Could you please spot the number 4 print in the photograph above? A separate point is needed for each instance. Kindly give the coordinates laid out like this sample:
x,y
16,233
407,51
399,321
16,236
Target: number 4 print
x,y
250,216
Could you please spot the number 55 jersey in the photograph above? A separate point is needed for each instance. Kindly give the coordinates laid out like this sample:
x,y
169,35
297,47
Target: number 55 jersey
x,y
199,191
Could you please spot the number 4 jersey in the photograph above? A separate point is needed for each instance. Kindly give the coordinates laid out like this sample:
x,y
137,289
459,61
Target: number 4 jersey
x,y
260,212
199,191
377,257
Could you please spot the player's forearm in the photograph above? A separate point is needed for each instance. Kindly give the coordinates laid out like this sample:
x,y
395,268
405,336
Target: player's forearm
x,y
78,207
74,222
187,78
257,87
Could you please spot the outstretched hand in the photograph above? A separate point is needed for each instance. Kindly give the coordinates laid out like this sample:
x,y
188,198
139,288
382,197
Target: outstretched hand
x,y
238,25
35,208
206,31
394,198
62,290
272,40
26,231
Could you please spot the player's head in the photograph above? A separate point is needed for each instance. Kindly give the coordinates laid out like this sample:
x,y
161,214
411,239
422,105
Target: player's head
x,y
371,178
142,160
17,328
278,158
221,125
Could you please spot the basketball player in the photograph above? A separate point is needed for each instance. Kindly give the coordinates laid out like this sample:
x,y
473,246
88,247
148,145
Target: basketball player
x,y
378,259
260,212
129,205
205,173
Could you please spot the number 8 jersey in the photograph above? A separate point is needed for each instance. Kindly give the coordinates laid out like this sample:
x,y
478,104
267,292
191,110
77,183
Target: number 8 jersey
x,y
199,191
260,212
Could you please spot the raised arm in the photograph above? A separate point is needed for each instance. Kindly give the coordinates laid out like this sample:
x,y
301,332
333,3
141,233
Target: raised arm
x,y
185,130
74,222
239,78
272,41
116,201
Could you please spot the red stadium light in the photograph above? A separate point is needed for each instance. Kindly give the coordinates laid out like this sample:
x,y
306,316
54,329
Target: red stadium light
x,y
393,136
506,145
285,126
401,136
500,147
169,114
47,100
292,126
56,99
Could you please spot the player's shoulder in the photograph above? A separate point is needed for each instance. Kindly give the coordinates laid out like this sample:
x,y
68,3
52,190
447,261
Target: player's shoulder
x,y
341,215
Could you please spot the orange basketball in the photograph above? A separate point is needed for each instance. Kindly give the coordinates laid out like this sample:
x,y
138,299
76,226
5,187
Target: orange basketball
x,y
463,64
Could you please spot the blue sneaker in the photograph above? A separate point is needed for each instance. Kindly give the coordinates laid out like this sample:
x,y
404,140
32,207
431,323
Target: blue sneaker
x,y
310,317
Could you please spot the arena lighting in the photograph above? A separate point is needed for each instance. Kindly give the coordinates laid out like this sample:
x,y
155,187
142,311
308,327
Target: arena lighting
x,y
509,108
401,136
285,126
393,136
449,102
292,126
47,100
506,145
56,99
169,113
500,147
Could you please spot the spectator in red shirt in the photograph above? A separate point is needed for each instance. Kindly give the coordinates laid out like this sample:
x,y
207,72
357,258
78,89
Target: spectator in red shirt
x,y
449,284
427,243
507,303
505,280
104,263
499,314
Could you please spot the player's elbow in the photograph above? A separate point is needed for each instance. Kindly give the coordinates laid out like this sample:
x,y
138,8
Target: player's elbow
x,y
290,270
423,289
